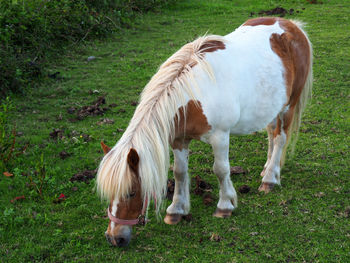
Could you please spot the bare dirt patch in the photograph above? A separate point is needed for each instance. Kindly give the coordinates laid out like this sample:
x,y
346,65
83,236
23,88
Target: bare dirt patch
x,y
201,186
84,176
56,134
94,109
277,11
237,170
63,155
244,189
208,199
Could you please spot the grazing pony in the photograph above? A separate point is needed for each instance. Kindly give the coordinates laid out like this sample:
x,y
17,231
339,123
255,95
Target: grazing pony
x,y
258,76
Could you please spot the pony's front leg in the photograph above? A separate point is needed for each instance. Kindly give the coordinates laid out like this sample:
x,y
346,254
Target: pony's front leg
x,y
181,199
228,196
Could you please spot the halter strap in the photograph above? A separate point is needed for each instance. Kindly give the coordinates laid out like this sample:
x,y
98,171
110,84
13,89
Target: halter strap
x,y
141,220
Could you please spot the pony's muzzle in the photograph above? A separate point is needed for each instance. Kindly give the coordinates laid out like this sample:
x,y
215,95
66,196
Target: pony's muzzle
x,y
121,238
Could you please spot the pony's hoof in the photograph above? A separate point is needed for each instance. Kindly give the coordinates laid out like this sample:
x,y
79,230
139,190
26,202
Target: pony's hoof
x,y
262,174
266,187
172,219
222,213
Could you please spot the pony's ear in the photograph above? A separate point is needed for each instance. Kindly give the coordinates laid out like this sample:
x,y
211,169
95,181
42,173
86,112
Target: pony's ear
x,y
133,159
105,148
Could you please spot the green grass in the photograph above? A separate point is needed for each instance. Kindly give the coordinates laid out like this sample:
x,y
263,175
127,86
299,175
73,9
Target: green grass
x,y
294,223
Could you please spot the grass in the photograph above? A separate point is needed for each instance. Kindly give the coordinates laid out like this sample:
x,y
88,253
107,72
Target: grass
x,y
306,220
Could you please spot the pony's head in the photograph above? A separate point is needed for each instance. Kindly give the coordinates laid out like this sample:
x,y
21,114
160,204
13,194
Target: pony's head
x,y
126,211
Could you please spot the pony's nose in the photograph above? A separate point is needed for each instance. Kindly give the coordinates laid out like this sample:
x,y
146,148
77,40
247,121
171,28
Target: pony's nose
x,y
121,241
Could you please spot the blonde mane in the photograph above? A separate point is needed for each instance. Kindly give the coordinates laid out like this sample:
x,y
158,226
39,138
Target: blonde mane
x,y
152,126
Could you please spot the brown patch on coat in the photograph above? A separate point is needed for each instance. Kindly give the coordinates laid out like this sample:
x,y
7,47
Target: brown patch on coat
x,y
129,208
267,21
196,124
211,46
207,47
294,50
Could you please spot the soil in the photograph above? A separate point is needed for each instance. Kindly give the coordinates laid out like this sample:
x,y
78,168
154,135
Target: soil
x,y
94,109
188,218
244,189
171,188
201,186
64,155
277,11
105,121
56,134
208,199
237,170
84,176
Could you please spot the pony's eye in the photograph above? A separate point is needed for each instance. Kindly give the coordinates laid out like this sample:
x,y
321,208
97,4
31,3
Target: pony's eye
x,y
131,195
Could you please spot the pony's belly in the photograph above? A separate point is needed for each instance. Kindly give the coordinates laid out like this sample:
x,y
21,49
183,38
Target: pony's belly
x,y
250,125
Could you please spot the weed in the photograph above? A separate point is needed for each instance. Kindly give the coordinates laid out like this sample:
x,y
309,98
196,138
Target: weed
x,y
37,178
8,149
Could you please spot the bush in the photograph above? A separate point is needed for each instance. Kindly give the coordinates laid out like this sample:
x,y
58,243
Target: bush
x,y
32,29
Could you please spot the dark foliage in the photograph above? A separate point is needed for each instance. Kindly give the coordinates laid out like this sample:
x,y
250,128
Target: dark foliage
x,y
32,30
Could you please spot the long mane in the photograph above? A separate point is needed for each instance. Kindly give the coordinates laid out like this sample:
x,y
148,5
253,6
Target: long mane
x,y
152,126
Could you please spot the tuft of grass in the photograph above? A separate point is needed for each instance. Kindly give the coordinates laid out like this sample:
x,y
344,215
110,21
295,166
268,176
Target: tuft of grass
x,y
306,220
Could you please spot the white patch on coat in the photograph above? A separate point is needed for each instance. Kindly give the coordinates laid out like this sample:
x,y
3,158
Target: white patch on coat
x,y
249,82
114,212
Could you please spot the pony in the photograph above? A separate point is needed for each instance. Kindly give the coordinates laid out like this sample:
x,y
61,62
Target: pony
x,y
258,76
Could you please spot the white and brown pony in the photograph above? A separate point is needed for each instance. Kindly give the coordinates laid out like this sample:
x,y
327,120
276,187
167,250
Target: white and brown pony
x,y
258,76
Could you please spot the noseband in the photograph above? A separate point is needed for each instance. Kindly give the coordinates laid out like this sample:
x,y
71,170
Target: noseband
x,y
140,220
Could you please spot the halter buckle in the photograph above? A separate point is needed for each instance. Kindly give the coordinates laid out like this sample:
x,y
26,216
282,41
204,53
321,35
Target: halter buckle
x,y
142,220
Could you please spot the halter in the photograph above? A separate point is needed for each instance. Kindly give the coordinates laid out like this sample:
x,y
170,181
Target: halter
x,y
140,220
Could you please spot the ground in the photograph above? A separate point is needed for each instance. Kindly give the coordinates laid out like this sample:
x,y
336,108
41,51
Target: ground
x,y
306,220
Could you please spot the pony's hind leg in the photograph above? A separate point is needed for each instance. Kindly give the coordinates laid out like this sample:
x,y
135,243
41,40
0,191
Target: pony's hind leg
x,y
270,128
228,197
271,172
181,199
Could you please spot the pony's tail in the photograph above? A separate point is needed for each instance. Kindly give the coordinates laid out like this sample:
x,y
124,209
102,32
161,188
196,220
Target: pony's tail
x,y
305,95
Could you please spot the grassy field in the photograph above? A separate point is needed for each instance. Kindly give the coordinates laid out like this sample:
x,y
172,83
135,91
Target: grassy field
x,y
306,220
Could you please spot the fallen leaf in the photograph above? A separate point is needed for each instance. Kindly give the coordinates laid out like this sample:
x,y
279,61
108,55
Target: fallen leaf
x,y
59,199
215,237
7,174
319,195
17,198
